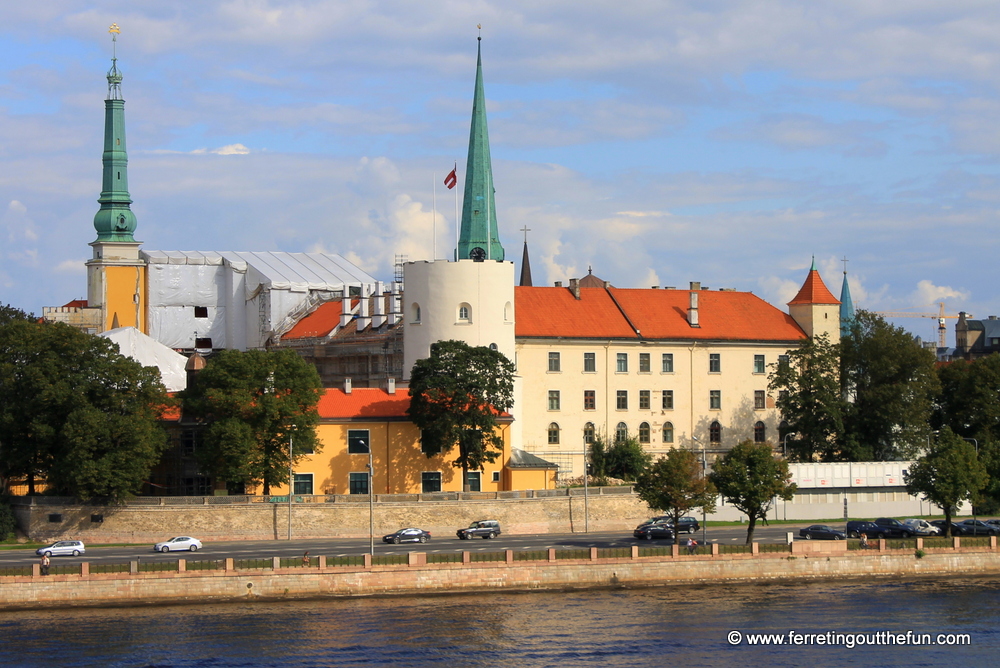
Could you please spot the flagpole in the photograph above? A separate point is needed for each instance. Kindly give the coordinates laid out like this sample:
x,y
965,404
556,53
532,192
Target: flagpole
x,y
434,206
458,221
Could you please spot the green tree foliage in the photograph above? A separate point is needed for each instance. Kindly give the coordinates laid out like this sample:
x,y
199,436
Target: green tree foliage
x,y
75,412
969,400
890,383
10,313
948,474
676,484
254,403
456,394
7,522
626,459
598,459
810,400
751,478
989,455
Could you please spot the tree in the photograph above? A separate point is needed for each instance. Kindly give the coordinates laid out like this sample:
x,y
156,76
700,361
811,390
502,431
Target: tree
x,y
456,396
947,475
969,400
75,412
10,313
7,522
810,399
626,459
675,484
598,459
751,478
256,404
890,382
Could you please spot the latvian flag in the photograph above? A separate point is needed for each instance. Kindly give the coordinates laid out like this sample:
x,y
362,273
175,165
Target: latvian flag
x,y
452,179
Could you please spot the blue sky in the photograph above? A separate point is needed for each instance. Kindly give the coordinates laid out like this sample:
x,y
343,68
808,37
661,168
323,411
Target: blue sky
x,y
657,142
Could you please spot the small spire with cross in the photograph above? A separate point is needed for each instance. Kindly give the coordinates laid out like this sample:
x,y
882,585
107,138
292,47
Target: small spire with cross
x,y
525,229
845,265
114,76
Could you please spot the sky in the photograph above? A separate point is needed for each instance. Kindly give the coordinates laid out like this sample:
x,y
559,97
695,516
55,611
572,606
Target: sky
x,y
656,142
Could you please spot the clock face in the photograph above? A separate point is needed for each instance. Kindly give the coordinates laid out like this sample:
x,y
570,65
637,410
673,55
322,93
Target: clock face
x,y
477,254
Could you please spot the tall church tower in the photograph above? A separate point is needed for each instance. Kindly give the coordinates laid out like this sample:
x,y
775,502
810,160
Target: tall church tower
x,y
116,276
472,298
815,309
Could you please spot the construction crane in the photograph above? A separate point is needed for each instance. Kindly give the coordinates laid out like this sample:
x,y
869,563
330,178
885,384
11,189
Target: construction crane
x,y
940,315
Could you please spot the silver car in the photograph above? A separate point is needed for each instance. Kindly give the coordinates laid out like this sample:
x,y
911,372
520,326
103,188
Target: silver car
x,y
63,548
178,543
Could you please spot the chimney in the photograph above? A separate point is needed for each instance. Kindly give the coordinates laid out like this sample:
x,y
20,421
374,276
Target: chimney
x,y
693,311
395,299
347,386
345,311
558,284
391,386
607,284
378,310
574,287
696,285
364,320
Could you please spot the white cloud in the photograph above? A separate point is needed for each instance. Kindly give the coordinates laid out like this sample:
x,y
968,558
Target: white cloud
x,y
78,267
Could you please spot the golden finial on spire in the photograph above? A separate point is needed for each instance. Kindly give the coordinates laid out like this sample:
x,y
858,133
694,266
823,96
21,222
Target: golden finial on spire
x,y
114,29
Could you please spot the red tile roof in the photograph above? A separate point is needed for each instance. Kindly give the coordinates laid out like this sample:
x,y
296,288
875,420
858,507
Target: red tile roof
x,y
657,314
319,323
364,402
814,291
76,303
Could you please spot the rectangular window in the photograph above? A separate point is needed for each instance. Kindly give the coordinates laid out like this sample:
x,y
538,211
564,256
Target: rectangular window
x,y
758,400
496,476
714,363
554,362
204,343
621,398
359,483
553,400
430,482
590,362
475,481
589,400
668,400
622,366
783,362
667,363
758,364
644,400
303,483
357,441
643,362
201,311
715,400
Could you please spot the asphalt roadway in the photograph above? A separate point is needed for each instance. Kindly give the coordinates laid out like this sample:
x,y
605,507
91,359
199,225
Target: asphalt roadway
x,y
332,547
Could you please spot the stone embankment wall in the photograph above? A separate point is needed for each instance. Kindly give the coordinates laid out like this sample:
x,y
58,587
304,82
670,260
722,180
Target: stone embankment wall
x,y
218,518
547,571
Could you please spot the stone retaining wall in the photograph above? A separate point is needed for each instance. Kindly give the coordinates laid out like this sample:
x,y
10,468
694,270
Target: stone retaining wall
x,y
417,576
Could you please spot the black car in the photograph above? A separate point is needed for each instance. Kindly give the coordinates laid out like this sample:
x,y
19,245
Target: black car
x,y
956,529
654,530
407,536
857,527
821,532
893,528
482,528
979,528
686,524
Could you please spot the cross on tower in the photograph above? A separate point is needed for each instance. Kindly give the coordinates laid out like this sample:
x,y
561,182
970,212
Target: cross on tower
x,y
525,229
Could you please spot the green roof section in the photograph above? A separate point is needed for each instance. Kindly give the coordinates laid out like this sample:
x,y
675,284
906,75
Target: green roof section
x,y
479,238
115,220
846,308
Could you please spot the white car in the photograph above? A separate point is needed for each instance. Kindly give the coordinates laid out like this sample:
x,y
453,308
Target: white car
x,y
178,543
63,548
922,527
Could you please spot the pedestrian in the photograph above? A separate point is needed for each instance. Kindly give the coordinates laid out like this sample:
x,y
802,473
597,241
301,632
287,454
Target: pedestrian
x,y
864,541
692,545
305,559
46,562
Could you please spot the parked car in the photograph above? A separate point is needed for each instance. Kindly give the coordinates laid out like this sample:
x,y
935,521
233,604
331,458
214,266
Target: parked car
x,y
956,529
922,527
178,543
995,523
893,528
654,530
855,528
687,524
979,528
63,548
407,536
821,532
482,528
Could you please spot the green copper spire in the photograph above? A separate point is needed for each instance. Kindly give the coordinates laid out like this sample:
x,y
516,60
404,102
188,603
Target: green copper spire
x,y
115,221
479,238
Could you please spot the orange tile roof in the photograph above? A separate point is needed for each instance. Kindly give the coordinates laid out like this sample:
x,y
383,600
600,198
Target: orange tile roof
x,y
657,314
814,291
320,322
363,402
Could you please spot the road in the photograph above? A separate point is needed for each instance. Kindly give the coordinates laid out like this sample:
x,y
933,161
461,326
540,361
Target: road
x,y
332,547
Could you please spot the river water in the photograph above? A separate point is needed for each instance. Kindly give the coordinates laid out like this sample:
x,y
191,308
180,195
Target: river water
x,y
682,625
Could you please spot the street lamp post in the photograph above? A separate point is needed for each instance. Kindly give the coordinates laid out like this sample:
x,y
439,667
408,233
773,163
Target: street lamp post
x,y
586,507
371,502
704,470
784,445
291,486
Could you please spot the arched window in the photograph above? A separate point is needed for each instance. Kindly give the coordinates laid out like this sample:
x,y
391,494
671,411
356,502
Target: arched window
x,y
464,312
759,432
553,433
508,312
415,312
715,433
588,433
621,432
668,432
644,432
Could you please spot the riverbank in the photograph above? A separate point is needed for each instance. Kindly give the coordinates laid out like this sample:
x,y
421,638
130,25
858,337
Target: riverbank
x,y
474,572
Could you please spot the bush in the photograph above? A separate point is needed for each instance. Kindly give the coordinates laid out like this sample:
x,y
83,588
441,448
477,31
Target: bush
x,y
7,523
